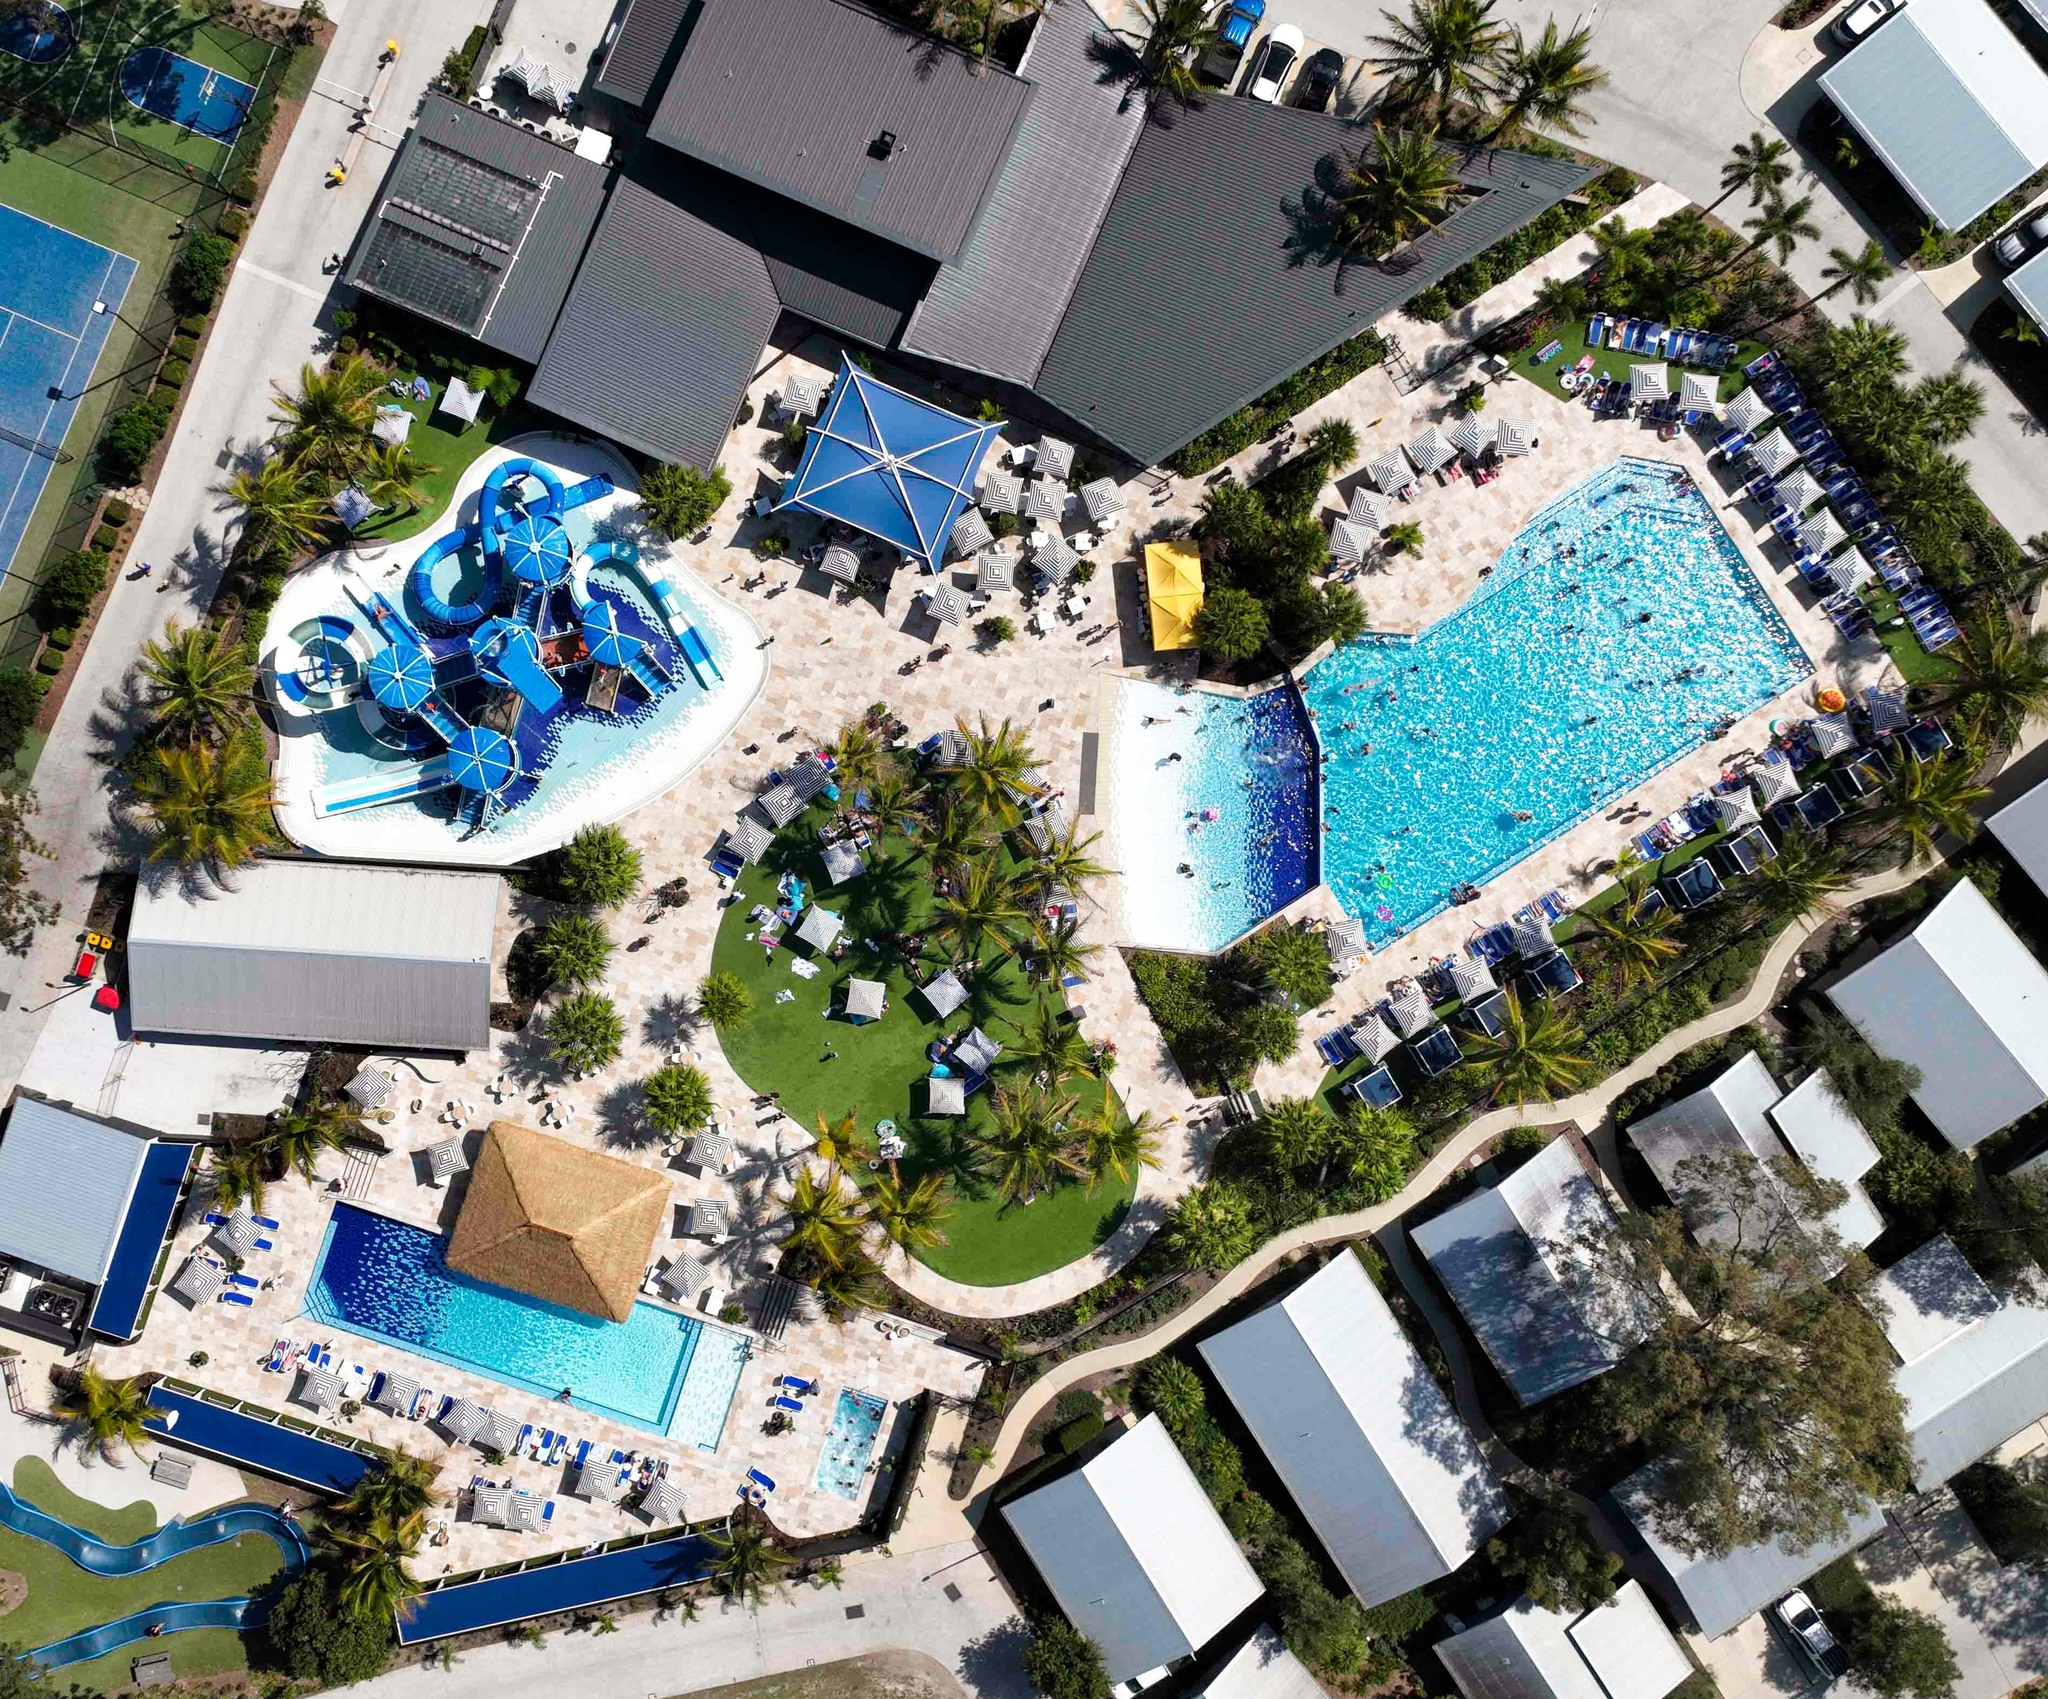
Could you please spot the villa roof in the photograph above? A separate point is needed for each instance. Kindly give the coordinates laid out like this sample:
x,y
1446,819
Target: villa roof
x,y
1262,1668
317,952
65,1183
797,96
636,63
557,1221
1617,1650
2021,829
1208,219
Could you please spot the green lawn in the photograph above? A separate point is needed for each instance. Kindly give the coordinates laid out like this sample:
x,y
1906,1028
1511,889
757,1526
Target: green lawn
x,y
1615,362
1915,664
62,1598
880,1067
450,452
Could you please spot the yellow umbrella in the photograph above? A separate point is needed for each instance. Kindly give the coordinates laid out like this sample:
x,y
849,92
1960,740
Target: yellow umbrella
x,y
1173,586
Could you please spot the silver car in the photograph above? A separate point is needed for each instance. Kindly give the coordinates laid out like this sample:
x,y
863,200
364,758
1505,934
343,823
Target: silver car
x,y
1855,25
2022,242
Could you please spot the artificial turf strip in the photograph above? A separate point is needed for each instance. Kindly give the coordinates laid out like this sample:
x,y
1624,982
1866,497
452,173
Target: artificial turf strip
x,y
880,1068
63,1599
449,452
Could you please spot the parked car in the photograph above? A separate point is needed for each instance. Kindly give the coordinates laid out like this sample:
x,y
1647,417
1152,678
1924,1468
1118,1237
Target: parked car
x,y
1810,1632
1855,25
1236,22
2022,242
1319,78
1282,48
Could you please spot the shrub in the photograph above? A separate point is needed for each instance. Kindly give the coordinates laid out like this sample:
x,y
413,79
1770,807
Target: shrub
x,y
118,513
194,324
197,275
1250,422
681,499
995,631
772,546
182,347
1063,1663
1069,1439
21,694
678,1098
458,70
233,224
50,662
60,639
585,1032
311,1637
132,435
1432,304
575,949
70,587
106,538
173,373
723,1000
600,868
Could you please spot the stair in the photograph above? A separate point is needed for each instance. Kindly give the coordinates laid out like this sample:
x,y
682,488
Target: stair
x,y
361,1169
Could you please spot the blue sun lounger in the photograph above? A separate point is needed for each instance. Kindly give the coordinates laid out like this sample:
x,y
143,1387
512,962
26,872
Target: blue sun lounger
x,y
1494,945
582,1454
1337,1048
1377,1088
785,1403
241,1298
243,1280
760,1480
559,1449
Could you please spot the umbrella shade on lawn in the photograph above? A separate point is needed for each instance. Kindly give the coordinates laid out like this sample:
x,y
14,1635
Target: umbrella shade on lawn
x,y
944,993
1774,453
1373,1036
1411,1010
864,999
1698,391
1774,780
1887,709
945,1096
1848,570
1735,810
842,862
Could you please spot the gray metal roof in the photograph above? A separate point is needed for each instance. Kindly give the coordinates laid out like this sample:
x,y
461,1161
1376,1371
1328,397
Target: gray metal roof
x,y
1135,1553
1262,1668
1194,255
1511,1260
1826,1136
314,952
795,96
479,225
65,1182
996,307
1962,1000
1951,102
1368,1445
1722,1591
633,66
1619,1650
2021,827
1729,1113
1973,1364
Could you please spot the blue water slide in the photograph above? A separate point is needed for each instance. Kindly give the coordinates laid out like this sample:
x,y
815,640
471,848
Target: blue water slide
x,y
436,605
169,1618
698,656
511,653
648,672
556,500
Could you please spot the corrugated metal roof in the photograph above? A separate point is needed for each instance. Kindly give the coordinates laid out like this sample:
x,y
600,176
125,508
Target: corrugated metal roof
x,y
1372,1451
1627,1645
1952,103
1618,1650
1722,1591
1135,1553
1962,1000
1262,1668
479,225
1730,1113
2039,9
796,96
634,64
1195,255
995,309
65,1181
1507,1257
318,952
1826,1136
2022,826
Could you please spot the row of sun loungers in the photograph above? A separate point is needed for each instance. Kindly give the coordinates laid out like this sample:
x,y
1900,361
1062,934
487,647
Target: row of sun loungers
x,y
1644,336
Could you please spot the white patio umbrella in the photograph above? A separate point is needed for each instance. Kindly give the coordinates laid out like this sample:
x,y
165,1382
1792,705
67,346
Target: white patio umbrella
x,y
1430,450
1347,541
1832,734
1474,435
1470,977
1774,780
971,532
1821,532
1747,411
801,394
1532,937
996,569
1373,1036
1887,709
1774,453
1056,559
1391,474
1367,509
1797,489
1514,437
1649,383
1848,570
1102,499
1735,810
1411,1010
1698,390
840,563
1001,492
1045,502
1053,459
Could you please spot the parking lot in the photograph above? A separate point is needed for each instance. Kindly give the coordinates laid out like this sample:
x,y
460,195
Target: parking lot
x,y
1340,26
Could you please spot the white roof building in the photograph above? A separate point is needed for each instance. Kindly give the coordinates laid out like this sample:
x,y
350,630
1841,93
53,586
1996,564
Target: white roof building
x,y
1952,103
2022,827
1513,1259
1372,1451
1619,1650
1262,1668
1135,1553
1962,1000
1828,1139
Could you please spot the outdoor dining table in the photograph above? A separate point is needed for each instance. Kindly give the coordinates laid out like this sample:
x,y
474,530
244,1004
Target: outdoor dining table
x,y
1075,605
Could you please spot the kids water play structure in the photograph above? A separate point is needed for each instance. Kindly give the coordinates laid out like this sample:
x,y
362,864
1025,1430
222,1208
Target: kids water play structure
x,y
471,666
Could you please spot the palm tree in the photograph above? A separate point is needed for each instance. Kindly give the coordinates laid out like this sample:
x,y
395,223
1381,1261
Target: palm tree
x,y
1560,300
911,1215
1297,1132
860,754
1922,801
1025,1147
750,1564
1864,351
958,837
1926,491
982,903
1999,676
892,800
842,1143
1052,1044
1803,878
1390,196
299,1139
1859,272
1212,1226
1374,1148
851,1286
237,1177
1439,53
404,1485
1634,936
1544,85
1537,1055
279,506
1178,37
1170,1389
198,682
1058,952
1622,257
1116,1143
209,806
376,1579
104,1414
394,477
1949,404
825,1219
1762,165
1000,764
327,419
1065,863
1781,225
1688,236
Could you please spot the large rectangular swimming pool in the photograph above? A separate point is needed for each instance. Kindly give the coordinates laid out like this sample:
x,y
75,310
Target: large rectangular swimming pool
x,y
390,1280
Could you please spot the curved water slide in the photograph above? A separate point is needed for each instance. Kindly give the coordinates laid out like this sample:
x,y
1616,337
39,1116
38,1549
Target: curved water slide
x,y
555,501
660,592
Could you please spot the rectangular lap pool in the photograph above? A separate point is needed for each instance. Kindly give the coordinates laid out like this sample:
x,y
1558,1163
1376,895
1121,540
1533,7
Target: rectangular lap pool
x,y
389,1280
843,1464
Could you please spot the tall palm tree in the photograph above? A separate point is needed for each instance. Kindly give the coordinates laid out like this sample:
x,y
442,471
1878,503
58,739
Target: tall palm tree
x,y
846,1288
299,1139
198,683
958,837
1926,491
375,1557
1635,936
750,1564
1392,194
1542,85
1803,878
1559,300
327,418
1058,952
892,800
912,1214
1949,404
1999,676
1864,351
210,807
825,1219
280,505
1622,256
1762,165
1536,1054
395,477
1438,55
1781,225
1297,1133
1178,37
981,904
842,1143
1025,1147
1689,236
1925,800
104,1414
860,754
1116,1144
237,1176
1860,272
403,1485
1065,864
1052,1044
1000,763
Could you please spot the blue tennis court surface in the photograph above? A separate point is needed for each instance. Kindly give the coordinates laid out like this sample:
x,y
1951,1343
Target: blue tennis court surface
x,y
53,286
191,95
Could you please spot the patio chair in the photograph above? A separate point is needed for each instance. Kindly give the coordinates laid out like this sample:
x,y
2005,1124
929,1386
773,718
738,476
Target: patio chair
x,y
1376,1088
1927,740
1554,975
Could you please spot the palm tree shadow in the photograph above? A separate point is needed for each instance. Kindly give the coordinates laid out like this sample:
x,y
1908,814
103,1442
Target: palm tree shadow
x,y
1118,64
941,1147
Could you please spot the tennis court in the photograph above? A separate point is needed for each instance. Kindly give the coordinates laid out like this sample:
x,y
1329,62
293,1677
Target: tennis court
x,y
58,297
183,92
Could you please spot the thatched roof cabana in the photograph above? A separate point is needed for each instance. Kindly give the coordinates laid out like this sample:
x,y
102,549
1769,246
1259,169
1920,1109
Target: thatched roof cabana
x,y
559,1222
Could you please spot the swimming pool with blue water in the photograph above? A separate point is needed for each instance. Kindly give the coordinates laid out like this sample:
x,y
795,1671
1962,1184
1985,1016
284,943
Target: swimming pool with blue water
x,y
661,1370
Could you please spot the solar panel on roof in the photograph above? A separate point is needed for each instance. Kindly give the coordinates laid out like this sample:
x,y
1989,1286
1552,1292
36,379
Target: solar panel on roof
x,y
428,276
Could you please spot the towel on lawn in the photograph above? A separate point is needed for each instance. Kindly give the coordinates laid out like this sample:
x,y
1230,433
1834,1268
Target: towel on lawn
x,y
803,969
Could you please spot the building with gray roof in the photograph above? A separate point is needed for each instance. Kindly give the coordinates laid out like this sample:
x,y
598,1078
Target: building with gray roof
x,y
1963,1000
1619,1650
1365,1440
1262,1668
317,952
2021,827
1514,1258
642,50
1135,1553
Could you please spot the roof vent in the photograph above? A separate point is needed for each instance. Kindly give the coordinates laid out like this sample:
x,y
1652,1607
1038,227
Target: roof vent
x,y
883,145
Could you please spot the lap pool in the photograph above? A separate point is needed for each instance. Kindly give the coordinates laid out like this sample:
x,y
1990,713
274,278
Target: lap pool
x,y
390,1280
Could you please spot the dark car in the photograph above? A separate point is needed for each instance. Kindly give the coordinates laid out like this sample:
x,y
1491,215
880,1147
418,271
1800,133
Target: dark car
x,y
1319,79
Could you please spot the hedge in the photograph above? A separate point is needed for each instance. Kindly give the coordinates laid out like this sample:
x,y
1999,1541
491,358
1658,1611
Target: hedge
x,y
119,512
183,347
107,537
192,324
1077,1433
1535,239
68,591
233,224
1249,423
132,434
50,662
197,275
173,374
21,694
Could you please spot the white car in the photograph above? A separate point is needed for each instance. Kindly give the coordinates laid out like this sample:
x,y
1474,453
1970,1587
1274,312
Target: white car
x,y
1283,47
1803,1622
1863,17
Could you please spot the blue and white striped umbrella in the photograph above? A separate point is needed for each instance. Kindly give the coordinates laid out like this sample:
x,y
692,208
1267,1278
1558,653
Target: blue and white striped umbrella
x,y
538,551
609,646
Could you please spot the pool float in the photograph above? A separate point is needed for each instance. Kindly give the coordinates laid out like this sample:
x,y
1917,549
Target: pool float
x,y
1831,701
1211,814
1382,912
1385,881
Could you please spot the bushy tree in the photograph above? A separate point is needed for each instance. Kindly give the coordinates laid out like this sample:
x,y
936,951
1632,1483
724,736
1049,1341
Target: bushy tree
x,y
21,698
1897,1652
678,1097
600,869
71,586
1550,1551
585,1032
1231,624
723,1000
575,949
1063,1663
1212,1226
680,499
310,1637
197,274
